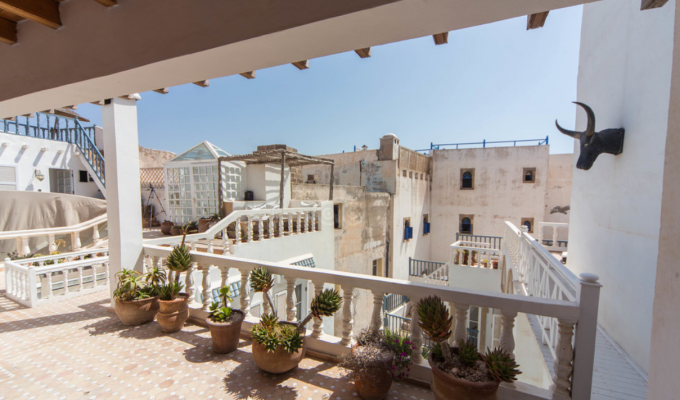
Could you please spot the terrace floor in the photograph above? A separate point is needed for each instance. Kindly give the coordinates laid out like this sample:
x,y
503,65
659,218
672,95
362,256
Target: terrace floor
x,y
77,349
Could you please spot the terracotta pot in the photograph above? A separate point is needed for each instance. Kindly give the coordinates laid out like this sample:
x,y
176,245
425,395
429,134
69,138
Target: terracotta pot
x,y
136,312
446,387
166,227
374,383
280,360
203,224
225,336
176,231
173,313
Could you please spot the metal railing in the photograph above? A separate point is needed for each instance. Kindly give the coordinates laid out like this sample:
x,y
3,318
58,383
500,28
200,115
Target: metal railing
x,y
494,242
484,143
422,268
393,301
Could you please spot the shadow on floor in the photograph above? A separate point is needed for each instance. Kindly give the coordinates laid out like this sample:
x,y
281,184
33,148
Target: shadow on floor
x,y
90,311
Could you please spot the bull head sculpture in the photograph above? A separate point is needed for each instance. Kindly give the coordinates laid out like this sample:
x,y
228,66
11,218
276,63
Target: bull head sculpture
x,y
593,143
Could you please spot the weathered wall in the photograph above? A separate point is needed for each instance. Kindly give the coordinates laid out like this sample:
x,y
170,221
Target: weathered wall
x,y
616,205
558,193
361,238
360,168
151,158
499,192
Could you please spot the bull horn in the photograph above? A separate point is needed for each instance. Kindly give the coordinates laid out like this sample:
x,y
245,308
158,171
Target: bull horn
x,y
590,128
574,134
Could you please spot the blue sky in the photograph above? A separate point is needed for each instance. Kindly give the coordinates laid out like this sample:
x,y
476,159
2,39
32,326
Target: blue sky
x,y
493,82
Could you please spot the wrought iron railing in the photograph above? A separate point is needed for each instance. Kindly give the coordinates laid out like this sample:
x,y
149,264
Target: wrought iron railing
x,y
393,301
494,242
422,268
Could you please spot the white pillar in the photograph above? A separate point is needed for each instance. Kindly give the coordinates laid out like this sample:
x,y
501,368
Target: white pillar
x,y
123,194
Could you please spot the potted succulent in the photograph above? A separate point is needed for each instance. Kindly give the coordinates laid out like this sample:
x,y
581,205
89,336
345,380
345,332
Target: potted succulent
x,y
224,323
176,230
461,373
174,305
134,301
166,227
377,359
278,346
203,224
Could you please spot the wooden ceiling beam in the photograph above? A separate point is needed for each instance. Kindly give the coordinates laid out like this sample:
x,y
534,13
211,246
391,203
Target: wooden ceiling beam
x,y
650,4
537,20
248,74
304,64
363,53
441,38
44,12
107,3
74,107
202,84
8,31
98,103
162,90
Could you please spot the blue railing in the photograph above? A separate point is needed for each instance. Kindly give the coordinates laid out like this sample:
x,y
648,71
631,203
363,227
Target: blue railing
x,y
402,327
494,242
484,143
393,301
422,267
91,152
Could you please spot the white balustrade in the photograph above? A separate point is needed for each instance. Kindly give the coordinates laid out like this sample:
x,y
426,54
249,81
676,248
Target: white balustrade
x,y
347,315
33,281
555,244
291,310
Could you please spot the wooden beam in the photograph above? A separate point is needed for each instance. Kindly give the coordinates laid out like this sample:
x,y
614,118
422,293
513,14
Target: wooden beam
x,y
249,74
98,103
364,53
304,64
74,107
537,20
650,4
107,3
441,38
203,84
330,191
44,12
162,90
8,31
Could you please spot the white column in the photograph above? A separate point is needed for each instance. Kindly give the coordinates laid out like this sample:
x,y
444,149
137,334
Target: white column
x,y
347,320
460,328
584,342
291,310
507,334
317,325
123,194
377,317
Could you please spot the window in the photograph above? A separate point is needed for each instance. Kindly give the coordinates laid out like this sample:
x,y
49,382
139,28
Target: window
x,y
426,225
529,175
377,267
337,216
529,223
410,174
298,301
311,178
466,224
473,324
467,178
8,178
408,230
404,173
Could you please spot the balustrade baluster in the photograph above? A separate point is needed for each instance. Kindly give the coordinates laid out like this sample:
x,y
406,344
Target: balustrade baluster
x,y
244,297
318,323
376,317
207,292
106,273
26,248
280,221
507,335
291,310
298,226
80,278
75,241
460,329
224,276
564,354
313,228
260,228
48,295
270,228
249,230
237,231
416,332
189,283
51,245
65,272
347,315
210,246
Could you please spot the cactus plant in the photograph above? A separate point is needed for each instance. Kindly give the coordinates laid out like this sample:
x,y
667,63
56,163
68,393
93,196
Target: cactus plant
x,y
501,365
179,259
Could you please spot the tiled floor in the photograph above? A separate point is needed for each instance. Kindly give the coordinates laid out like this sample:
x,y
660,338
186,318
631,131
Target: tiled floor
x,y
76,349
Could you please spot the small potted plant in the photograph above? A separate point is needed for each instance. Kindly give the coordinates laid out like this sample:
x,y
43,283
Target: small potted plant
x,y
176,230
377,359
224,323
166,227
203,224
278,346
174,305
461,373
134,302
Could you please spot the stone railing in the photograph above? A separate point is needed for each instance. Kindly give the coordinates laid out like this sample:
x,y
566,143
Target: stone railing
x,y
34,281
74,231
553,243
539,275
567,313
248,226
473,254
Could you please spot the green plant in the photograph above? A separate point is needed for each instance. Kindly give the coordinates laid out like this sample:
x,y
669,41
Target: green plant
x,y
262,281
130,286
436,322
215,217
221,313
374,345
170,290
325,304
272,334
179,259
501,365
155,277
467,352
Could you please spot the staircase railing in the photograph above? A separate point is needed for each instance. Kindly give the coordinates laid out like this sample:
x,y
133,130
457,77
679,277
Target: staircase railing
x,y
90,152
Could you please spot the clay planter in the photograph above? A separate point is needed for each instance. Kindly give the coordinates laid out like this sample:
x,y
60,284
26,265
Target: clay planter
x,y
203,224
446,387
225,336
375,382
176,231
136,312
166,227
280,360
173,313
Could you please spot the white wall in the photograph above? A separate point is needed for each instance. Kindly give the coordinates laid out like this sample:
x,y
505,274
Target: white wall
x,y
28,160
265,180
624,75
558,194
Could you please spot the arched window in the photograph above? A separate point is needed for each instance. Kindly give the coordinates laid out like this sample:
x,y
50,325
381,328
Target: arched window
x,y
466,225
467,180
529,176
528,225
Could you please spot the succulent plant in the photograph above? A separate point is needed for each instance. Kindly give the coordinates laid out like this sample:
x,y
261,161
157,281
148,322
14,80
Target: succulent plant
x,y
435,321
271,334
262,281
179,259
324,304
467,352
170,290
501,365
269,320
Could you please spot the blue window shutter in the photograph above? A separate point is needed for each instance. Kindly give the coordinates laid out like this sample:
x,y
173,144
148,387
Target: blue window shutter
x,y
406,233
